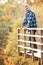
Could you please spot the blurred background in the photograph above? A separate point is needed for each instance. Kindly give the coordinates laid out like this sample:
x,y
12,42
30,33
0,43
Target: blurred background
x,y
12,14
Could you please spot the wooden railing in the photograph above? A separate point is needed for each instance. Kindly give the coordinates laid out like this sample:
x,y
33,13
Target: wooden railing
x,y
23,44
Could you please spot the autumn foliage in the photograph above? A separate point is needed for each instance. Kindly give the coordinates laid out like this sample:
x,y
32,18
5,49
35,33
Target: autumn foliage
x,y
11,17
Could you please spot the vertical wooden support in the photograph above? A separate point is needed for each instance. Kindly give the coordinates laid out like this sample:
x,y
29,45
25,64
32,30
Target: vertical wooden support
x,y
32,39
24,43
41,60
39,46
18,42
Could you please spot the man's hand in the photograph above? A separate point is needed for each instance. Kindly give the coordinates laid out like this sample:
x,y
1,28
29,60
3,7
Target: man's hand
x,y
21,27
25,28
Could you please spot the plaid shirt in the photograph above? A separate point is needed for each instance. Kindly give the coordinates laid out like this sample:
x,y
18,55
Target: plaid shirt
x,y
30,19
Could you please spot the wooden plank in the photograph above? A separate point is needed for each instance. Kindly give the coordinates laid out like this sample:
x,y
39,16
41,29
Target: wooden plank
x,y
38,43
24,44
18,42
29,48
38,55
41,51
31,35
41,60
32,39
32,28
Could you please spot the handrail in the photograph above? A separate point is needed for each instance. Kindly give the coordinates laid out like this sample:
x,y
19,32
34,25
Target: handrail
x,y
31,35
31,28
30,42
22,43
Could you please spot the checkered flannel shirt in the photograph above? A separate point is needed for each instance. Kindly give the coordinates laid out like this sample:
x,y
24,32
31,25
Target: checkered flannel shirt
x,y
30,19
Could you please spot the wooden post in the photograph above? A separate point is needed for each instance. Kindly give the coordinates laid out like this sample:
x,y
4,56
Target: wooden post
x,y
41,60
39,46
24,43
32,39
18,42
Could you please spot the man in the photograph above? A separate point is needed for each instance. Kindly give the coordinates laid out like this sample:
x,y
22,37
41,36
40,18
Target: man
x,y
30,22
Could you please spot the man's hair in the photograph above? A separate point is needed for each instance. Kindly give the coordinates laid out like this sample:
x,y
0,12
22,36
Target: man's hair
x,y
27,6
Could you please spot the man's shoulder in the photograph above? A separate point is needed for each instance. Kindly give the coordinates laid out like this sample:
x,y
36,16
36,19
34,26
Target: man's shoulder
x,y
31,12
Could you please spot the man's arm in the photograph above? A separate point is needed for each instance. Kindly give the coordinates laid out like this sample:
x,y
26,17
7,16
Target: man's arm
x,y
24,23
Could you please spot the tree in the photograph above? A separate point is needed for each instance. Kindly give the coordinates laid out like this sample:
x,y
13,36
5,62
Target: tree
x,y
30,1
3,35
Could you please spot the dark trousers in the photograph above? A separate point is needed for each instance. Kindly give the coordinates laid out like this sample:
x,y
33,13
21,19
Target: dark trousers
x,y
35,46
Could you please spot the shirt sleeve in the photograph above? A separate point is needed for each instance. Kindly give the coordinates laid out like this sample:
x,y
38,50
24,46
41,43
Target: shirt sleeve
x,y
25,22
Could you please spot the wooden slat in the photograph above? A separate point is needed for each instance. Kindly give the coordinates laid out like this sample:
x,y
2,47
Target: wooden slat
x,y
38,43
38,55
30,35
24,43
30,48
18,41
41,60
24,47
32,28
32,45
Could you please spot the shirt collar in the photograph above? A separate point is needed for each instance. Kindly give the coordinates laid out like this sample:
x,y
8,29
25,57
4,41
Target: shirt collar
x,y
29,11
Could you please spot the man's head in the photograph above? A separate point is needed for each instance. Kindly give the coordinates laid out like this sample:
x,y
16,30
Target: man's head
x,y
27,8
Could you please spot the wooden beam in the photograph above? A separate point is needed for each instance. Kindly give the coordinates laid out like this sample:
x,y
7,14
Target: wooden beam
x,y
24,43
18,42
37,43
31,28
41,60
31,35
